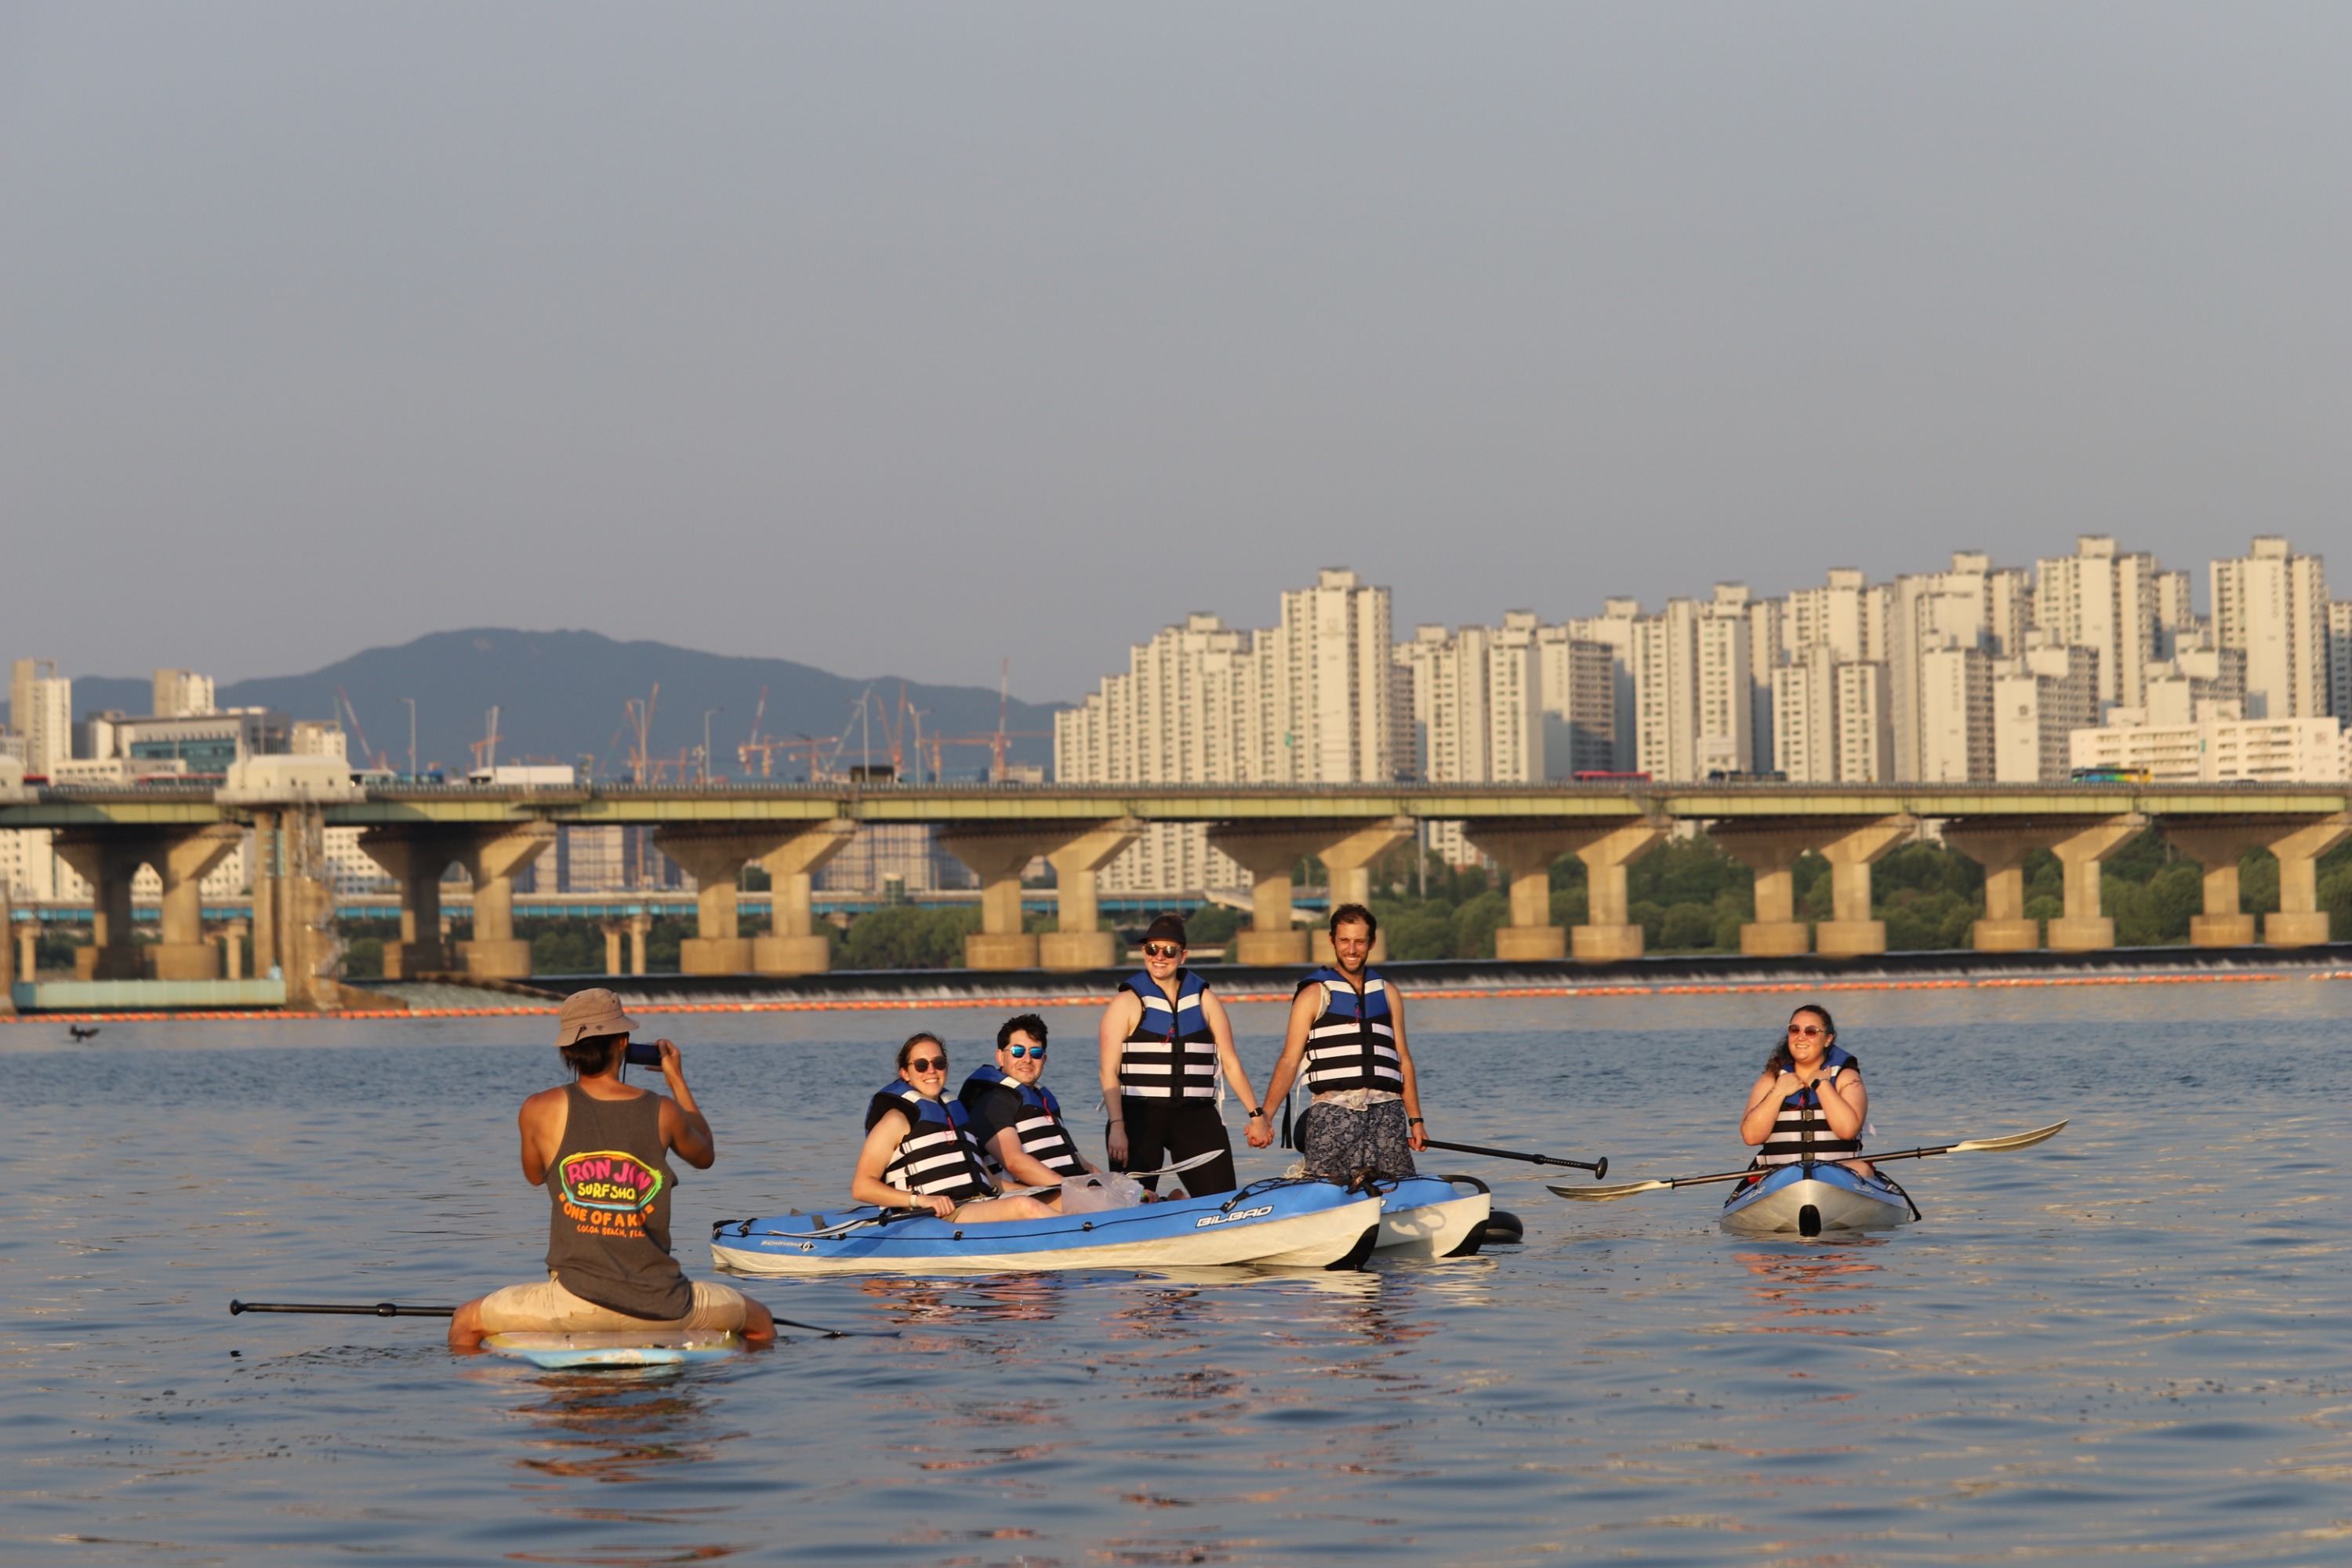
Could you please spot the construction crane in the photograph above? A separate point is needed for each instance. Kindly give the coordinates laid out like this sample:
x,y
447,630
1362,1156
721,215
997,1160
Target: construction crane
x,y
767,752
637,717
366,751
488,746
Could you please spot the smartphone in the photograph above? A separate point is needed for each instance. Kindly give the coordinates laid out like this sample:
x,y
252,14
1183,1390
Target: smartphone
x,y
643,1053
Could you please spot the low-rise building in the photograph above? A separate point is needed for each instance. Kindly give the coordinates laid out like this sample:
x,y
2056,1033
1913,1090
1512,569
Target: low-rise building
x,y
2217,746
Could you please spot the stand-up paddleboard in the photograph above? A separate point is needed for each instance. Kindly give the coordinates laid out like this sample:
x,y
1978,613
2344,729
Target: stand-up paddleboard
x,y
564,1353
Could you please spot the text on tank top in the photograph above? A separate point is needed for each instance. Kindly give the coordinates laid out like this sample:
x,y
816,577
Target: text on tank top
x,y
1801,1130
1036,1123
1171,1053
938,1156
608,1191
1351,1043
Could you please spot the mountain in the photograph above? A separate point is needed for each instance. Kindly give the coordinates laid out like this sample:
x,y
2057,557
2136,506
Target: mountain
x,y
560,695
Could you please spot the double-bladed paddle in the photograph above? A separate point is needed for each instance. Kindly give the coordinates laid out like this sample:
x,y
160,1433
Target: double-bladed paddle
x,y
1179,1167
1599,1168
392,1310
1967,1146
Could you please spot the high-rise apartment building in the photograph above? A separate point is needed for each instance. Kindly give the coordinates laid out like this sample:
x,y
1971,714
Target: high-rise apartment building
x,y
1953,716
1580,703
40,710
1613,628
1692,679
1830,719
1973,606
1307,701
2339,660
2273,604
2039,699
181,694
2182,686
2107,601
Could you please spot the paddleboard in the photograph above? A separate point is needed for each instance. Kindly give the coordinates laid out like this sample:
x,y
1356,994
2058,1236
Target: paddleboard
x,y
560,1353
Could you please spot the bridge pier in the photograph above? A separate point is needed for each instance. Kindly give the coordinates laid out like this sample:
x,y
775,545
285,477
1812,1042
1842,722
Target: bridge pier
x,y
416,858
1608,933
184,862
293,906
715,858
1270,853
1349,865
2083,928
793,945
1525,853
2300,922
614,932
107,861
492,859
1077,944
641,930
28,950
232,948
2001,848
1772,851
2223,923
7,954
997,855
1853,933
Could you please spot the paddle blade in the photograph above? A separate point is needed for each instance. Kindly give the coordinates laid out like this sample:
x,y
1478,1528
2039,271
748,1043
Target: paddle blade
x,y
2014,1140
1609,1195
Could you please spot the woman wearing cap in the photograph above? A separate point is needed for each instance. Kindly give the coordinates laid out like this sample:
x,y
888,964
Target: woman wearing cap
x,y
1163,1038
919,1151
601,1148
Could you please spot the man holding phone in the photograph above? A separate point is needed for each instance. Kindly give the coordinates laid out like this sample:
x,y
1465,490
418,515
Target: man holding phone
x,y
601,1147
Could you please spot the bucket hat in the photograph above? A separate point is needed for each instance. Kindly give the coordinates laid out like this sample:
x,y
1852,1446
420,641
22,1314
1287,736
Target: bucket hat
x,y
589,1013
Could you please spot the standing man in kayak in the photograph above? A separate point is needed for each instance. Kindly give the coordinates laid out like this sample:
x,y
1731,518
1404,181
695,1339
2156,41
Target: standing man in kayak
x,y
1809,1104
601,1148
1164,1038
1346,1043
1016,1119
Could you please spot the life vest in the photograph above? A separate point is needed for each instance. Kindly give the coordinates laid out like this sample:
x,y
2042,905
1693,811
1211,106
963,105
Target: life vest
x,y
1170,1054
1799,1130
1039,1126
938,1156
1352,1042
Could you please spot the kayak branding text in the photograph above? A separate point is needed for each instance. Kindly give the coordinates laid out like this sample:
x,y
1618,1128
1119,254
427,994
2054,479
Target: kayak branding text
x,y
1209,1219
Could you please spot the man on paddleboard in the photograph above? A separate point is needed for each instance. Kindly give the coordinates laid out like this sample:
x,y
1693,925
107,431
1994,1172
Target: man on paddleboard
x,y
601,1148
1016,1119
1346,1041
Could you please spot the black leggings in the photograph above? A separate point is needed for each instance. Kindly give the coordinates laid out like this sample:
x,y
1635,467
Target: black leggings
x,y
1162,1132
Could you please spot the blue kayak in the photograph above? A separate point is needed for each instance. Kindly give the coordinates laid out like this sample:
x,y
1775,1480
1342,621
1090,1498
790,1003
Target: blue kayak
x,y
1432,1216
1806,1199
1283,1223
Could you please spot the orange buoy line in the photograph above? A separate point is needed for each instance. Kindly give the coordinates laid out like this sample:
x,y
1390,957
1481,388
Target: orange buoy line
x,y
1478,994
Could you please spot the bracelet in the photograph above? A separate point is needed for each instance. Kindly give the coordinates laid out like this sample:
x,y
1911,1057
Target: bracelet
x,y
1412,1121
1256,1114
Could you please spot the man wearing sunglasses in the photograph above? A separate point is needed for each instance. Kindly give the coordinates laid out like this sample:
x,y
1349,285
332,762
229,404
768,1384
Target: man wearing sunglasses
x,y
1016,1119
1164,1038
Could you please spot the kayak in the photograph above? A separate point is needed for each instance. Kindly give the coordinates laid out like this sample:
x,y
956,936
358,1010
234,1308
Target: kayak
x,y
563,1352
1810,1199
1430,1216
1278,1223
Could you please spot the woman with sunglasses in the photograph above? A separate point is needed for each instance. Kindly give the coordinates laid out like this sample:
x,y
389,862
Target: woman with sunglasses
x,y
1163,1038
920,1152
1016,1119
1809,1104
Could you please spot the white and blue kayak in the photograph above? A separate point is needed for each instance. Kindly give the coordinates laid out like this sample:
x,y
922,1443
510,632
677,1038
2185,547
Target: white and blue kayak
x,y
1280,1223
1432,1216
569,1353
1813,1199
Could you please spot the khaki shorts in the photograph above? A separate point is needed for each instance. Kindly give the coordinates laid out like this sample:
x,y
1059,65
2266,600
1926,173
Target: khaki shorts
x,y
547,1307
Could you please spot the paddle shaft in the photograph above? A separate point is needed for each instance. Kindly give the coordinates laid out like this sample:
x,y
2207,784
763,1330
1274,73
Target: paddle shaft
x,y
342,1310
2014,1140
1599,1168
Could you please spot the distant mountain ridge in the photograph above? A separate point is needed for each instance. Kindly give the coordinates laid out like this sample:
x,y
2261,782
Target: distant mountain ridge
x,y
559,697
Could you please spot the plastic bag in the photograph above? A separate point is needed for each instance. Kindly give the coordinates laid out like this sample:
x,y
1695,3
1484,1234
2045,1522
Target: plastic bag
x,y
1092,1193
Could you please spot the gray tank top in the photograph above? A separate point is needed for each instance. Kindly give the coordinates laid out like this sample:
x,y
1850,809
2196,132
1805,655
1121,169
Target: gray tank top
x,y
608,1224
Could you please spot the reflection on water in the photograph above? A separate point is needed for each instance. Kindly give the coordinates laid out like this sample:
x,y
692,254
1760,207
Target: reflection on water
x,y
2121,1344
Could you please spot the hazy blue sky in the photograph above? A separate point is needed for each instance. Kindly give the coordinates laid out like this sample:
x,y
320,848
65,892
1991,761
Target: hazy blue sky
x,y
907,338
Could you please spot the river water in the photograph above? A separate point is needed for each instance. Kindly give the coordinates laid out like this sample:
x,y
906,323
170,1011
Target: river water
x,y
2129,1343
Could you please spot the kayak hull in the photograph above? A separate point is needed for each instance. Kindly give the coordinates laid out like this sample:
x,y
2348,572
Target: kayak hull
x,y
1281,1224
565,1352
1814,1200
1429,1217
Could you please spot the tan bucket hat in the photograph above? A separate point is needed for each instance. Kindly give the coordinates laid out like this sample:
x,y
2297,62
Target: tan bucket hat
x,y
589,1013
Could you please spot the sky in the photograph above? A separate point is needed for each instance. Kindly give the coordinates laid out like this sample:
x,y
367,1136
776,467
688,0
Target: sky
x,y
914,339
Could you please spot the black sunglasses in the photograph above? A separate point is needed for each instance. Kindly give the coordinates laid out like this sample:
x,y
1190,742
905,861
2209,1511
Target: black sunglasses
x,y
928,1063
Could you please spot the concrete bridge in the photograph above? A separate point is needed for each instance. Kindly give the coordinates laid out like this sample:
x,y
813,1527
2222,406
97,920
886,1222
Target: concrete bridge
x,y
416,833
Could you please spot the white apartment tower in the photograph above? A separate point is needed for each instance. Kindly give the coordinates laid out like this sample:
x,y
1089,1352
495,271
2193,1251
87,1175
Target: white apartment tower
x,y
182,694
1830,721
1972,605
2039,699
1330,658
2108,602
1954,730
2273,604
1613,628
40,710
1692,681
1580,703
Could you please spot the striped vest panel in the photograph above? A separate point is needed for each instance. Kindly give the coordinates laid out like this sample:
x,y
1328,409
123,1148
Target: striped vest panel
x,y
1352,1043
937,1157
1039,1125
1170,1054
1802,1133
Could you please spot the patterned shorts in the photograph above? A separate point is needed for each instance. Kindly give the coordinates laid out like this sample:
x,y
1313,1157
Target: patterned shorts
x,y
1337,1142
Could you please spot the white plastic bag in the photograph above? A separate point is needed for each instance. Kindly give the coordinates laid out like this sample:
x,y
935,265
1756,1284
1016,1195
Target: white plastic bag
x,y
1092,1193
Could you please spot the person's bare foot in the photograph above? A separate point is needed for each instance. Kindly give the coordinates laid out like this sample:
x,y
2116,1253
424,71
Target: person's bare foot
x,y
759,1329
466,1329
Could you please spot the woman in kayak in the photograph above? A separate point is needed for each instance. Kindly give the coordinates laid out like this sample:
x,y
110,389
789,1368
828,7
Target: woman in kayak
x,y
920,1152
1808,1103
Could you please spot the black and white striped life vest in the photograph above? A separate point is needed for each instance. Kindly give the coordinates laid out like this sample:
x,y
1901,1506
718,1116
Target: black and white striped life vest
x,y
938,1156
1352,1042
1801,1131
1037,1122
1170,1053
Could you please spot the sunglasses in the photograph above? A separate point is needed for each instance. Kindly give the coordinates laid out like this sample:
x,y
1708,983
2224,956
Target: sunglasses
x,y
1161,950
928,1063
1811,1031
1018,1052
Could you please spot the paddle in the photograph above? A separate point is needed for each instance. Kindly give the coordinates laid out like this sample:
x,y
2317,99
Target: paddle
x,y
1598,1169
392,1310
1968,1146
1179,1166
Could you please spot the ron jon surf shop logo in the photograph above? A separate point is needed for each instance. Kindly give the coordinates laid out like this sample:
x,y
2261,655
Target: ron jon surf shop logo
x,y
611,1182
